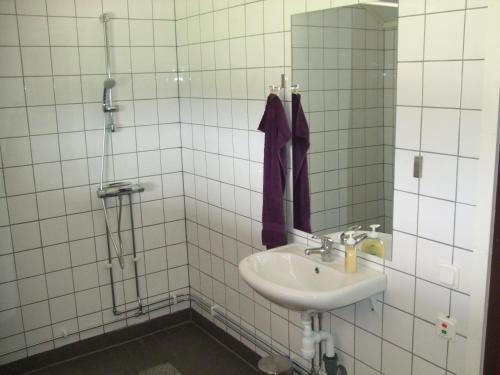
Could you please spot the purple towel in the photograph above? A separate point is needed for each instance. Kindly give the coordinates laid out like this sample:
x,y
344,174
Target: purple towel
x,y
275,125
300,145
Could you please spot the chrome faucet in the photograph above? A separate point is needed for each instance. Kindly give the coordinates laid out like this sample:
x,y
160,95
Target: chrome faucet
x,y
325,250
343,236
357,237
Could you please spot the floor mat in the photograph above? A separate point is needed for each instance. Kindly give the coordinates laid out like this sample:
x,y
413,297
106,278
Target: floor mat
x,y
163,369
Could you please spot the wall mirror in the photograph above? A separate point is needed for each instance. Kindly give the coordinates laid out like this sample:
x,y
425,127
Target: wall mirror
x,y
344,63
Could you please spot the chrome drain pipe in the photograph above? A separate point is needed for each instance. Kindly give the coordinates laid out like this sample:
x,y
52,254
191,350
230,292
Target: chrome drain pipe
x,y
143,309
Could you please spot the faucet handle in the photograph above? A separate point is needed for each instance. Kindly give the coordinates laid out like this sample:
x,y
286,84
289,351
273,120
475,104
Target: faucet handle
x,y
322,237
354,228
326,241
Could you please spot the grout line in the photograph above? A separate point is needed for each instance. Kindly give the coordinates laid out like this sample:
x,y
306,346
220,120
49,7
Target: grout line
x,y
25,344
457,174
63,191
418,200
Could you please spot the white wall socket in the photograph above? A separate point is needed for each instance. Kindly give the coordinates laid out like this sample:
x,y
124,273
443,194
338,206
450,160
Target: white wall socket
x,y
448,275
446,327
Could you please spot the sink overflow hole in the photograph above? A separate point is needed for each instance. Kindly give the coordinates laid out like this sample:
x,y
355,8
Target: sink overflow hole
x,y
316,270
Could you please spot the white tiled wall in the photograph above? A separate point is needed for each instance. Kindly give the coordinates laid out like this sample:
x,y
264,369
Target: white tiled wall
x,y
229,52
52,234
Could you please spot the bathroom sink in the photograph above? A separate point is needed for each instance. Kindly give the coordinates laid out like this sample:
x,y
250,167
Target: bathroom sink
x,y
288,277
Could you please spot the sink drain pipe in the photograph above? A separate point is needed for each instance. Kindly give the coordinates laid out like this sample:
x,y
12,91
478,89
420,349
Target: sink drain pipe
x,y
311,338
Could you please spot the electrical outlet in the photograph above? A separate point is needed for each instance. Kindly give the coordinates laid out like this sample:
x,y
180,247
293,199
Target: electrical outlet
x,y
448,275
446,327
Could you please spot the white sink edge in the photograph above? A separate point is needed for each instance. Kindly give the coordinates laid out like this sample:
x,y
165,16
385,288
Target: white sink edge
x,y
278,293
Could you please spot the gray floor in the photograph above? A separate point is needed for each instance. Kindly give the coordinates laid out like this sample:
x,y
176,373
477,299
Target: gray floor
x,y
187,347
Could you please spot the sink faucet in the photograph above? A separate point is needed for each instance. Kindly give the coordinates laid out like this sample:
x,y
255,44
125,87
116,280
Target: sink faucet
x,y
343,236
325,250
357,237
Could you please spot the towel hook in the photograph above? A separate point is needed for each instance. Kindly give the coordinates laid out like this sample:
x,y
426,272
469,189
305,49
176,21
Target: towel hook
x,y
274,89
295,88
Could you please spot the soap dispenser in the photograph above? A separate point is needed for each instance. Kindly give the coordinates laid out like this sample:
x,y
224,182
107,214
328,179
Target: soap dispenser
x,y
373,244
351,260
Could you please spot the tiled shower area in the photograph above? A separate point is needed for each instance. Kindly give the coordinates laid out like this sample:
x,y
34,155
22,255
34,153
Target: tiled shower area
x,y
192,79
55,287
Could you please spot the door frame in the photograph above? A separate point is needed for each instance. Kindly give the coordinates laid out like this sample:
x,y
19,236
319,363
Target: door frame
x,y
486,193
492,335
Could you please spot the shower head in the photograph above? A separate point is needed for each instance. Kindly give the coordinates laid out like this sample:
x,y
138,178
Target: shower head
x,y
107,104
109,83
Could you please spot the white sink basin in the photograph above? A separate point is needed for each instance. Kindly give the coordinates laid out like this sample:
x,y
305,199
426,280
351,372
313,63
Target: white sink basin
x,y
288,277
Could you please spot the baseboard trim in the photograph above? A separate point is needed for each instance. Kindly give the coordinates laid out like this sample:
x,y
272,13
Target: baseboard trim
x,y
109,339
226,339
96,343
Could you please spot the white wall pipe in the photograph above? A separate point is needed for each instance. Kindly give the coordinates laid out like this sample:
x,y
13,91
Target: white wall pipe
x,y
310,338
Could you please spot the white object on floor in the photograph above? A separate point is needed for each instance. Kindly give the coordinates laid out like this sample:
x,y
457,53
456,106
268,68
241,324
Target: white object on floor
x,y
163,369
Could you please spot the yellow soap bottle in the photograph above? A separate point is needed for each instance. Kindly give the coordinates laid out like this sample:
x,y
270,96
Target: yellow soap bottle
x,y
351,259
373,244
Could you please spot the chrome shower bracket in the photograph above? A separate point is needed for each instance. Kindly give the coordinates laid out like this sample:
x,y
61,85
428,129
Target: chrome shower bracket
x,y
105,17
109,108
